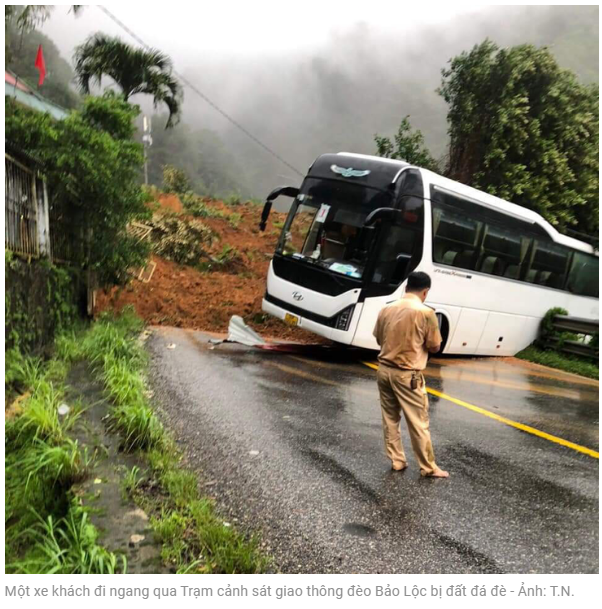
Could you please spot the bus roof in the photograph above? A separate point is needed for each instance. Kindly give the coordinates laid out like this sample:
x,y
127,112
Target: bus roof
x,y
370,172
480,197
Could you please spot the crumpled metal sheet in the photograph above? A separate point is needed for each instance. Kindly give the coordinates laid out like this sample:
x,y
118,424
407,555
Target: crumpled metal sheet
x,y
239,332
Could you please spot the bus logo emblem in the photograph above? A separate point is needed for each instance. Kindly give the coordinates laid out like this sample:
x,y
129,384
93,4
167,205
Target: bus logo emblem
x,y
297,296
349,172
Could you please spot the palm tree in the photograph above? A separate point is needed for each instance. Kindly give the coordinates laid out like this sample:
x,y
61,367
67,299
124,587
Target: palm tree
x,y
134,70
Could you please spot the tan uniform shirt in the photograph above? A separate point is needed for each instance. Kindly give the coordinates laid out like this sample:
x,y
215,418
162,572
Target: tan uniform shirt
x,y
405,330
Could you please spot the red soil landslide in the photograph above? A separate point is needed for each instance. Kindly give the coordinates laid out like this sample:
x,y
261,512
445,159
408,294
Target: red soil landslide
x,y
185,297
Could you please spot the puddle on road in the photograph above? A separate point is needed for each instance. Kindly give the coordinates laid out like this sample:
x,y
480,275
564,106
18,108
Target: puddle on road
x,y
359,530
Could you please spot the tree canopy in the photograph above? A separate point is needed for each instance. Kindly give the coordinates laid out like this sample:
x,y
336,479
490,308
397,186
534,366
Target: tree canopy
x,y
92,166
407,145
134,70
525,130
520,128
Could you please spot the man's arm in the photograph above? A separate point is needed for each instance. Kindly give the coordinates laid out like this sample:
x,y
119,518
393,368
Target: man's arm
x,y
433,338
376,331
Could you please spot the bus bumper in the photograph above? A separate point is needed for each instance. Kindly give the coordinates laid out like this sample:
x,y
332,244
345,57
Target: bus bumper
x,y
339,336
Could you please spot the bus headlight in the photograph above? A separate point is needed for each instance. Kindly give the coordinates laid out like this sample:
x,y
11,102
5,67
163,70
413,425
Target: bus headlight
x,y
344,318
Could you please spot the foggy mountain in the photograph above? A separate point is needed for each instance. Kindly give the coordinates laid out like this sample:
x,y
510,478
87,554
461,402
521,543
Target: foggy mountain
x,y
361,82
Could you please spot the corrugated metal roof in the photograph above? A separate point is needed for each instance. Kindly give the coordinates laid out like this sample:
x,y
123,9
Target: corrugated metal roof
x,y
12,79
17,89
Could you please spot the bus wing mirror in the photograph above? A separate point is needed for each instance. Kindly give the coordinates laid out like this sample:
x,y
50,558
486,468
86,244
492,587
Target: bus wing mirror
x,y
382,213
401,264
286,191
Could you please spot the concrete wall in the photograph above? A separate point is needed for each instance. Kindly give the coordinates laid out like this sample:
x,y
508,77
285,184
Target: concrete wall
x,y
40,300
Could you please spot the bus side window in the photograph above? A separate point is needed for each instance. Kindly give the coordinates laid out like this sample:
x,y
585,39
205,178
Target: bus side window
x,y
500,253
583,278
548,265
467,235
455,238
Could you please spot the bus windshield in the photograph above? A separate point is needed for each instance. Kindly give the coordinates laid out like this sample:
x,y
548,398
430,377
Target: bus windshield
x,y
325,225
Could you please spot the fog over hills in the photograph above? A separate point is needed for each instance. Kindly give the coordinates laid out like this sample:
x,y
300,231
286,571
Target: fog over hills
x,y
359,81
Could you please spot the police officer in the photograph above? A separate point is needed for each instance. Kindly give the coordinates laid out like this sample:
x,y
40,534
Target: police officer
x,y
407,331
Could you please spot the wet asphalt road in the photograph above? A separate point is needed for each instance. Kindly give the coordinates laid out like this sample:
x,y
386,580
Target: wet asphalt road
x,y
291,447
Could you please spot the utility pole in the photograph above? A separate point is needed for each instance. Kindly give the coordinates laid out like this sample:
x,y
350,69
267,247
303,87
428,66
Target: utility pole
x,y
147,140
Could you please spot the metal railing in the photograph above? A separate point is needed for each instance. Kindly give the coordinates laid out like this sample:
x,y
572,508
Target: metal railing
x,y
576,325
21,209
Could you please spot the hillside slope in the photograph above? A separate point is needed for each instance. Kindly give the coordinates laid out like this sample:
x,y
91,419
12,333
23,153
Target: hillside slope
x,y
205,296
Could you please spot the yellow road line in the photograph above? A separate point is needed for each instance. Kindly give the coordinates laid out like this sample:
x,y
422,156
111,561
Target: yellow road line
x,y
455,375
514,366
491,415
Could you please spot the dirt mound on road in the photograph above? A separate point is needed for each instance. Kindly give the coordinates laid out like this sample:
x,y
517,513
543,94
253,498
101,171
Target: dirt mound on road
x,y
206,297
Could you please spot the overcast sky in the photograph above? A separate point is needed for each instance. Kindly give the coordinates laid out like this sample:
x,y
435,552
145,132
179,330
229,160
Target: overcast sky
x,y
309,76
246,28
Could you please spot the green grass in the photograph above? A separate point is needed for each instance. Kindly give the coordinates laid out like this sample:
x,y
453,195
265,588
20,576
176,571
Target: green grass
x,y
232,200
67,545
194,537
138,426
61,464
119,362
561,361
234,220
200,209
131,482
21,371
46,531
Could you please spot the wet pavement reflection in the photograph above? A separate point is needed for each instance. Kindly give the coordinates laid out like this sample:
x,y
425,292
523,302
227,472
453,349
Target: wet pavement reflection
x,y
318,484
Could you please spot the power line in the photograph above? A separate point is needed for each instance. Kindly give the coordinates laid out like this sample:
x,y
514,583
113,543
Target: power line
x,y
200,94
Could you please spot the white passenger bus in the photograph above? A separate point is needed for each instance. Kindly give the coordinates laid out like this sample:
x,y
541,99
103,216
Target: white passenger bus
x,y
360,224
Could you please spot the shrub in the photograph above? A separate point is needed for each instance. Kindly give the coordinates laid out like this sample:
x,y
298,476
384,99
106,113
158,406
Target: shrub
x,y
234,220
233,200
92,167
547,332
182,241
198,207
175,180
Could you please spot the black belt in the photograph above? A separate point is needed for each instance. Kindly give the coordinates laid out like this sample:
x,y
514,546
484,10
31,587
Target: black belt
x,y
398,368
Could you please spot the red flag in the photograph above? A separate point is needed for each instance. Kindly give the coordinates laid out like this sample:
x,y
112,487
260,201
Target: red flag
x,y
40,65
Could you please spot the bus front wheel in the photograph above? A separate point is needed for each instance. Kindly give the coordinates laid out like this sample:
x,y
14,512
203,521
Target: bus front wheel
x,y
444,329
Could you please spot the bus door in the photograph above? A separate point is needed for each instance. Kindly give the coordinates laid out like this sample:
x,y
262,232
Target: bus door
x,y
396,251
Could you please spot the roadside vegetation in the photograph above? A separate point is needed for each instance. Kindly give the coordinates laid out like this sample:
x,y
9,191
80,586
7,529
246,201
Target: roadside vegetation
x,y
47,529
561,361
194,537
547,349
530,140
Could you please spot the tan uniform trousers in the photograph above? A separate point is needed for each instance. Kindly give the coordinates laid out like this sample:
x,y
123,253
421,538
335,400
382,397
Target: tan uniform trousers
x,y
396,394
